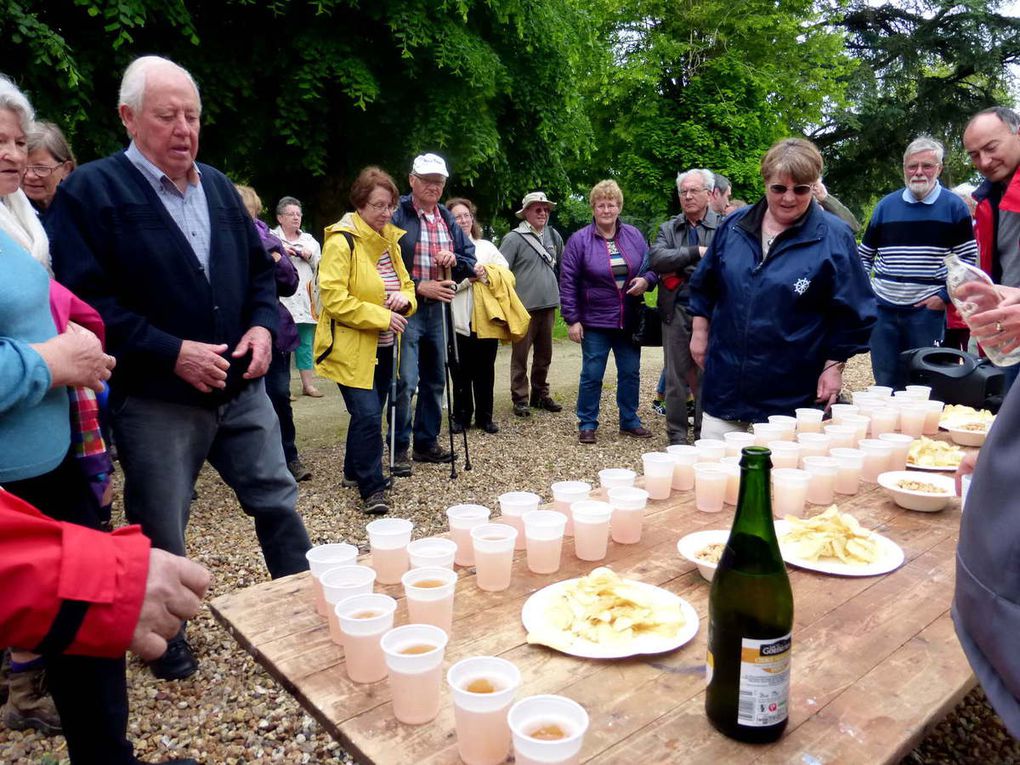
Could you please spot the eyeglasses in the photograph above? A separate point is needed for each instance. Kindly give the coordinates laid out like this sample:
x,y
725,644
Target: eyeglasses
x,y
462,216
801,189
382,207
927,167
43,171
440,183
691,192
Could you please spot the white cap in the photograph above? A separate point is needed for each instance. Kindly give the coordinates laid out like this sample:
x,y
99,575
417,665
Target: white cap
x,y
430,164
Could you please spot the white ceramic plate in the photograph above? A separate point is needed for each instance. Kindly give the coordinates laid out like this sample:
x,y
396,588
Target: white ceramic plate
x,y
890,557
533,616
933,468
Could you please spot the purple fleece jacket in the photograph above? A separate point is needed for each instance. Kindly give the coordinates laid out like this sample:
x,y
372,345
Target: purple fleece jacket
x,y
287,280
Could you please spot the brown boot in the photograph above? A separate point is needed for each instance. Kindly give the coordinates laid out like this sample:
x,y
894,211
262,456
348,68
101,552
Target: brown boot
x,y
29,704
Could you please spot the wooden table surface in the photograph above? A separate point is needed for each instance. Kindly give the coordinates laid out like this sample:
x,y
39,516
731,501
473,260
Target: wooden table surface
x,y
875,660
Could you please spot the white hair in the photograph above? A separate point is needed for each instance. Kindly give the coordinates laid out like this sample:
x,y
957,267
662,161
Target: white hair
x,y
924,143
132,84
707,177
12,99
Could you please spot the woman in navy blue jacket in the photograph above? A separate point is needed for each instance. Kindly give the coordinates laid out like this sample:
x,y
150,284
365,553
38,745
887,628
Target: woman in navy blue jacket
x,y
780,300
603,273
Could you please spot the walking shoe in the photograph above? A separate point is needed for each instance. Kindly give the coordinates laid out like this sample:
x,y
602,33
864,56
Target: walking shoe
x,y
659,406
376,504
350,483
489,427
312,392
638,432
434,453
545,402
178,662
521,409
29,704
586,436
401,465
298,470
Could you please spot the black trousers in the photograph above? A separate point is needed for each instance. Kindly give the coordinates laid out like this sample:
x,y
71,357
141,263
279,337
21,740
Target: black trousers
x,y
278,389
90,694
473,379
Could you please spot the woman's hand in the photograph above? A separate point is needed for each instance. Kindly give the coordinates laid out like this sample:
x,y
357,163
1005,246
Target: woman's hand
x,y
830,382
397,322
699,340
966,467
396,301
638,286
575,332
480,274
76,359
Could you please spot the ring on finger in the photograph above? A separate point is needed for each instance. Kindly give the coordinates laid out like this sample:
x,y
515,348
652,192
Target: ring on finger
x,y
998,326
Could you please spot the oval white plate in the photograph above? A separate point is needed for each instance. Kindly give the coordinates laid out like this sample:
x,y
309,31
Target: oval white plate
x,y
933,468
890,557
533,617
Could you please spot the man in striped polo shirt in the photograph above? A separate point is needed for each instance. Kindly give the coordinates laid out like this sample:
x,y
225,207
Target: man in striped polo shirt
x,y
909,234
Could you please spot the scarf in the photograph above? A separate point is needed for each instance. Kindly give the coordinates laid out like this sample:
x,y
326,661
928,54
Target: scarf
x,y
19,219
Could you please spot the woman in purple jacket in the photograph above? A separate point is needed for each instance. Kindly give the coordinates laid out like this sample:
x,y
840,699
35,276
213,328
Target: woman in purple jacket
x,y
603,274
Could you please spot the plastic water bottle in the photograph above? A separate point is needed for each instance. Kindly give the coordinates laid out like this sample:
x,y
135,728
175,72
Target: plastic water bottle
x,y
959,273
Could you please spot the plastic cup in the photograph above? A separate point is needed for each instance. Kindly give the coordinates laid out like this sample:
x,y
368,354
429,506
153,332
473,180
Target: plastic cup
x,y
736,440
429,593
767,431
839,411
710,480
919,392
658,474
388,539
683,468
628,505
880,391
566,493
884,419
848,474
414,661
341,583
591,528
964,488
814,444
462,519
611,477
513,505
321,559
710,449
843,436
860,421
823,477
543,532
932,415
785,454
877,458
809,420
483,733
364,619
789,491
732,465
913,417
861,398
536,713
432,552
494,555
901,447
788,422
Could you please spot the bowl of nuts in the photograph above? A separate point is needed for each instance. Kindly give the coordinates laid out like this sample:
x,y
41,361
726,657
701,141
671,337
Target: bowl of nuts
x,y
925,493
704,549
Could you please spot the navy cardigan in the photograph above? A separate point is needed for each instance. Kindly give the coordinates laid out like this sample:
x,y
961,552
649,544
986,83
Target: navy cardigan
x,y
114,244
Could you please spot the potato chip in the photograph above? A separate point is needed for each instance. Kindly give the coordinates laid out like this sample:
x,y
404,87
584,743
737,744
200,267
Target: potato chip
x,y
926,452
831,534
957,416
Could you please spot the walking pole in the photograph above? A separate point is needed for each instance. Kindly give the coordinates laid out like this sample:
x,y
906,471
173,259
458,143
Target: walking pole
x,y
456,363
393,404
449,396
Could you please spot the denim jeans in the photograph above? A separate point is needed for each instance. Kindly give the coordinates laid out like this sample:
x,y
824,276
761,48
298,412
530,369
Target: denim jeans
x,y
595,347
422,367
363,455
162,447
901,328
278,388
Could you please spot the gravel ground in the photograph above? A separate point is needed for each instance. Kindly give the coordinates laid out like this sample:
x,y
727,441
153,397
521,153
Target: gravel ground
x,y
232,712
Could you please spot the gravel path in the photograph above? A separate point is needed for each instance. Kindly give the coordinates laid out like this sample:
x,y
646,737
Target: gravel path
x,y
231,712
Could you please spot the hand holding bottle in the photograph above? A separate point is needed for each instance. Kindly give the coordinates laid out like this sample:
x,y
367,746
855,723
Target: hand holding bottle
x,y
995,320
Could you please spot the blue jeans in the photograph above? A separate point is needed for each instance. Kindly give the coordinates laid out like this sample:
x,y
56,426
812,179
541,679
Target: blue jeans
x,y
422,366
363,455
595,347
901,328
162,447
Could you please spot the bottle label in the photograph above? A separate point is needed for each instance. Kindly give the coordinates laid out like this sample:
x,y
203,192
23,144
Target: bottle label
x,y
764,681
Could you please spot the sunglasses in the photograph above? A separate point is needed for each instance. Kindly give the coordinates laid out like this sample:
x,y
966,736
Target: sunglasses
x,y
802,189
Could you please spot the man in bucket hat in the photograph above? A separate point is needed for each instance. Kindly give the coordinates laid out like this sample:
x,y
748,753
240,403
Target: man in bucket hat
x,y
533,250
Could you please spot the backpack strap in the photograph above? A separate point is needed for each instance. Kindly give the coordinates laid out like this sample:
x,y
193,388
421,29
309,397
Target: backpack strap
x,y
332,322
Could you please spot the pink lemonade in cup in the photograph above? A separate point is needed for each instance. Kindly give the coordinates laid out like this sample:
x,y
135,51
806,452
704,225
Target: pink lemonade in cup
x,y
432,552
628,503
414,661
901,448
839,411
321,559
884,419
823,478
566,493
547,730
913,416
613,477
789,424
429,594
494,555
341,583
512,506
483,689
685,456
848,473
809,420
877,457
814,444
785,454
710,479
932,415
388,539
658,474
789,491
767,431
843,436
591,529
462,519
543,530
710,449
735,441
364,619
732,465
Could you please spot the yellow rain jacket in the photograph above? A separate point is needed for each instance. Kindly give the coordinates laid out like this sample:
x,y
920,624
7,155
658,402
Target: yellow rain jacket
x,y
498,312
352,294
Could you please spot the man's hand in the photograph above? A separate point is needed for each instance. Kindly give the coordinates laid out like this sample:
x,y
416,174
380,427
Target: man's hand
x,y
445,259
819,191
437,290
575,332
830,382
173,592
699,340
202,365
75,358
259,342
966,467
934,303
996,321
638,286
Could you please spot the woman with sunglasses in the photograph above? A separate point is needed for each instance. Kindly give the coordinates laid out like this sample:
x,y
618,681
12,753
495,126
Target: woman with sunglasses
x,y
780,300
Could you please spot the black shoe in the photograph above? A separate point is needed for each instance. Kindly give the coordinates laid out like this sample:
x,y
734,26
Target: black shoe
x,y
489,427
545,402
401,465
434,453
456,428
177,663
376,504
350,483
298,470
521,409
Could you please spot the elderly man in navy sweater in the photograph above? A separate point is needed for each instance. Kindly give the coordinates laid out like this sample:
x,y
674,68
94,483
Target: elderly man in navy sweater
x,y
162,246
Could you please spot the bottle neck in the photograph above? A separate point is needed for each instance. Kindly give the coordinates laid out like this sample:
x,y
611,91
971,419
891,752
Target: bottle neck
x,y
754,504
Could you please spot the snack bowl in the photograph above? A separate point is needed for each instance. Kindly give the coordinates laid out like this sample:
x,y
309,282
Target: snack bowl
x,y
968,437
922,501
690,545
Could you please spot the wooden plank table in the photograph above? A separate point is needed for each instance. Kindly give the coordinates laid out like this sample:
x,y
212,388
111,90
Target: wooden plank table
x,y
875,660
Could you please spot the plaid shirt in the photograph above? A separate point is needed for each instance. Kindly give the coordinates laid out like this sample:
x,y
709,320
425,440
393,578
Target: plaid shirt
x,y
435,236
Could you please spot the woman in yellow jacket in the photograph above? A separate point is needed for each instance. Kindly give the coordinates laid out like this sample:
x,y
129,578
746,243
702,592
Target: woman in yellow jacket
x,y
366,298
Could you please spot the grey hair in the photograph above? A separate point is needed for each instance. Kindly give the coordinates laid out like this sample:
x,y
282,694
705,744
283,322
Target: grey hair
x,y
12,99
707,177
48,137
722,183
132,84
286,202
1007,117
924,143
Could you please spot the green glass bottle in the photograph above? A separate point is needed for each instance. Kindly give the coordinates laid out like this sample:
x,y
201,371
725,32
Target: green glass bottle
x,y
750,617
